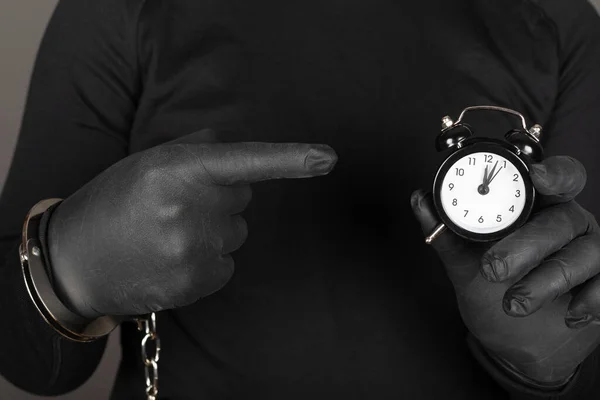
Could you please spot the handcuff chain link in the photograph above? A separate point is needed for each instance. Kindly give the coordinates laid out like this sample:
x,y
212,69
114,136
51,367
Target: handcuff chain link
x,y
147,325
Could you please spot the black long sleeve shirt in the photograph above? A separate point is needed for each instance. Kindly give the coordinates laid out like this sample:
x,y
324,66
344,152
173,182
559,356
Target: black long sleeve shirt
x,y
335,295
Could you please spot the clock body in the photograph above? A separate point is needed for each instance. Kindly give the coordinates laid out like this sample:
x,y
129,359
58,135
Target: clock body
x,y
483,190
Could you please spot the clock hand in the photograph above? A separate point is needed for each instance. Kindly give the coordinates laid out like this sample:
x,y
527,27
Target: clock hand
x,y
485,175
483,188
493,176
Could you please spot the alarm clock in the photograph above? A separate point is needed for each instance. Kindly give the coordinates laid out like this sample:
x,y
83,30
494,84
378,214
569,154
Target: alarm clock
x,y
482,191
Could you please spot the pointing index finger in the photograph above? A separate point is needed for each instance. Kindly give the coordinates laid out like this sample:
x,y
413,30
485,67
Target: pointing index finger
x,y
249,162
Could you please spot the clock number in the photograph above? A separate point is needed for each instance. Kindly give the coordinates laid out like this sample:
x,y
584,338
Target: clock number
x,y
460,171
472,160
518,194
499,218
466,212
454,202
451,186
512,209
516,179
488,158
480,220
504,163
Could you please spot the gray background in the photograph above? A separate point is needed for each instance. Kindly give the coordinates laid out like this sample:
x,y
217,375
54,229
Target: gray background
x,y
22,23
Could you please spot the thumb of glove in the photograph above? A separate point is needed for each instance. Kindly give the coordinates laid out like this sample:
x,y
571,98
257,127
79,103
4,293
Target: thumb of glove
x,y
423,208
460,258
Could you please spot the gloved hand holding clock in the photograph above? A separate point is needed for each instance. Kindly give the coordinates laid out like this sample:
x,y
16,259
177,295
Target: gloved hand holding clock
x,y
527,284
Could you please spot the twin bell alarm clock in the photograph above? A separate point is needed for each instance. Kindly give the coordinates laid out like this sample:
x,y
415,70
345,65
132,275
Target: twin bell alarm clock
x,y
482,190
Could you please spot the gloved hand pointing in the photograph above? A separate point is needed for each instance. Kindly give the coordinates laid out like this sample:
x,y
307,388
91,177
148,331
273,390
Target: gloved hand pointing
x,y
155,231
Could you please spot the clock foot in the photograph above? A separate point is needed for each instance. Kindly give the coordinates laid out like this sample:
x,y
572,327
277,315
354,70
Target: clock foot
x,y
436,232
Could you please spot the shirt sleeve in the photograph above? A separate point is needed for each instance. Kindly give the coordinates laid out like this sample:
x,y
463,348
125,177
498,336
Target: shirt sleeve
x,y
572,128
79,110
581,386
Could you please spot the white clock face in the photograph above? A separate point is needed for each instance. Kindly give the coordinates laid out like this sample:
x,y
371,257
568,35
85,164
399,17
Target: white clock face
x,y
483,193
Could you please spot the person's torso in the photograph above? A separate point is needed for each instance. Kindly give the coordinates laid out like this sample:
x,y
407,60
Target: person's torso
x,y
335,294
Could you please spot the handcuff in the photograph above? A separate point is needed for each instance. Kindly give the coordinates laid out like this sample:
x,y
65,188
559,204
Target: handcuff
x,y
62,320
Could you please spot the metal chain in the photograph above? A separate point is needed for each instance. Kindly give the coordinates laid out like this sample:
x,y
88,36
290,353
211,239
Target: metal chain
x,y
147,325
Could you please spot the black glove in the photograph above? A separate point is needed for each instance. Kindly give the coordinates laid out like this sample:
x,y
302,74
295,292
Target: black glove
x,y
155,231
532,298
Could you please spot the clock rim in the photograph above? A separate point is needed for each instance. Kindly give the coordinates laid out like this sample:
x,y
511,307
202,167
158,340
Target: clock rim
x,y
491,146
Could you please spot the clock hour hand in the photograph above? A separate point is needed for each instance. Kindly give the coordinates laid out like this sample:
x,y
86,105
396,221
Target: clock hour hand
x,y
485,175
483,188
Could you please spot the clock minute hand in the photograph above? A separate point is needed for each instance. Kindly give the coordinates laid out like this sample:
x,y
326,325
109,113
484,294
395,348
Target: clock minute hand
x,y
494,175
